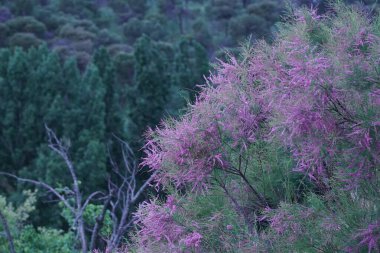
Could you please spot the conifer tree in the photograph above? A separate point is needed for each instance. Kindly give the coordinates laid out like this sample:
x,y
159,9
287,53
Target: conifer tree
x,y
151,87
113,110
90,151
14,122
191,64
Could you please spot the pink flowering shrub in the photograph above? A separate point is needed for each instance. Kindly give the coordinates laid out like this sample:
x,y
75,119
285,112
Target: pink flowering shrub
x,y
284,123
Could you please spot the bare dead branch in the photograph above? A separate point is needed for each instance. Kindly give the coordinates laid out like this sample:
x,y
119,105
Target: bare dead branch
x,y
127,193
99,222
89,198
62,150
143,187
8,234
44,185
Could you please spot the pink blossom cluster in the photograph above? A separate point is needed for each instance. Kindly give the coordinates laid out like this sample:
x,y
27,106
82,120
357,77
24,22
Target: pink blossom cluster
x,y
193,240
157,225
184,153
284,221
369,238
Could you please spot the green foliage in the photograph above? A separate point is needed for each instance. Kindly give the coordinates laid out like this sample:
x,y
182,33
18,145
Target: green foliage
x,y
92,212
248,24
162,21
18,215
215,215
223,9
323,223
27,238
201,33
43,240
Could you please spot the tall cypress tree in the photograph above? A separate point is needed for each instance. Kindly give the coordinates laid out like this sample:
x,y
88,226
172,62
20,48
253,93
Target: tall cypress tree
x,y
6,120
15,122
68,98
90,155
113,93
191,64
46,85
151,86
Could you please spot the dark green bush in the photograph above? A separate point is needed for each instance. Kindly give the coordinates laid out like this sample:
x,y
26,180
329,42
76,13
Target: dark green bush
x,y
4,31
246,24
75,33
24,40
107,37
27,25
23,7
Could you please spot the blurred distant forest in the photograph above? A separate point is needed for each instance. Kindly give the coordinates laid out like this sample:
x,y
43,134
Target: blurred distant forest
x,y
95,71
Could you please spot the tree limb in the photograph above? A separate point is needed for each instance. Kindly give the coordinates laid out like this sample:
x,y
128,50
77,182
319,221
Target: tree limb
x,y
8,234
44,185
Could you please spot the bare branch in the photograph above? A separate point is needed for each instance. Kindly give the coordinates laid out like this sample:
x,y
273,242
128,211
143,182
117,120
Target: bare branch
x,y
56,145
99,222
44,185
92,195
144,186
8,234
127,193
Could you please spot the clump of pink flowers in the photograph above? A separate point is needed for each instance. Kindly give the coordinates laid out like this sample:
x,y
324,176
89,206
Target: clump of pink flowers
x,y
193,240
287,221
158,226
370,237
156,223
